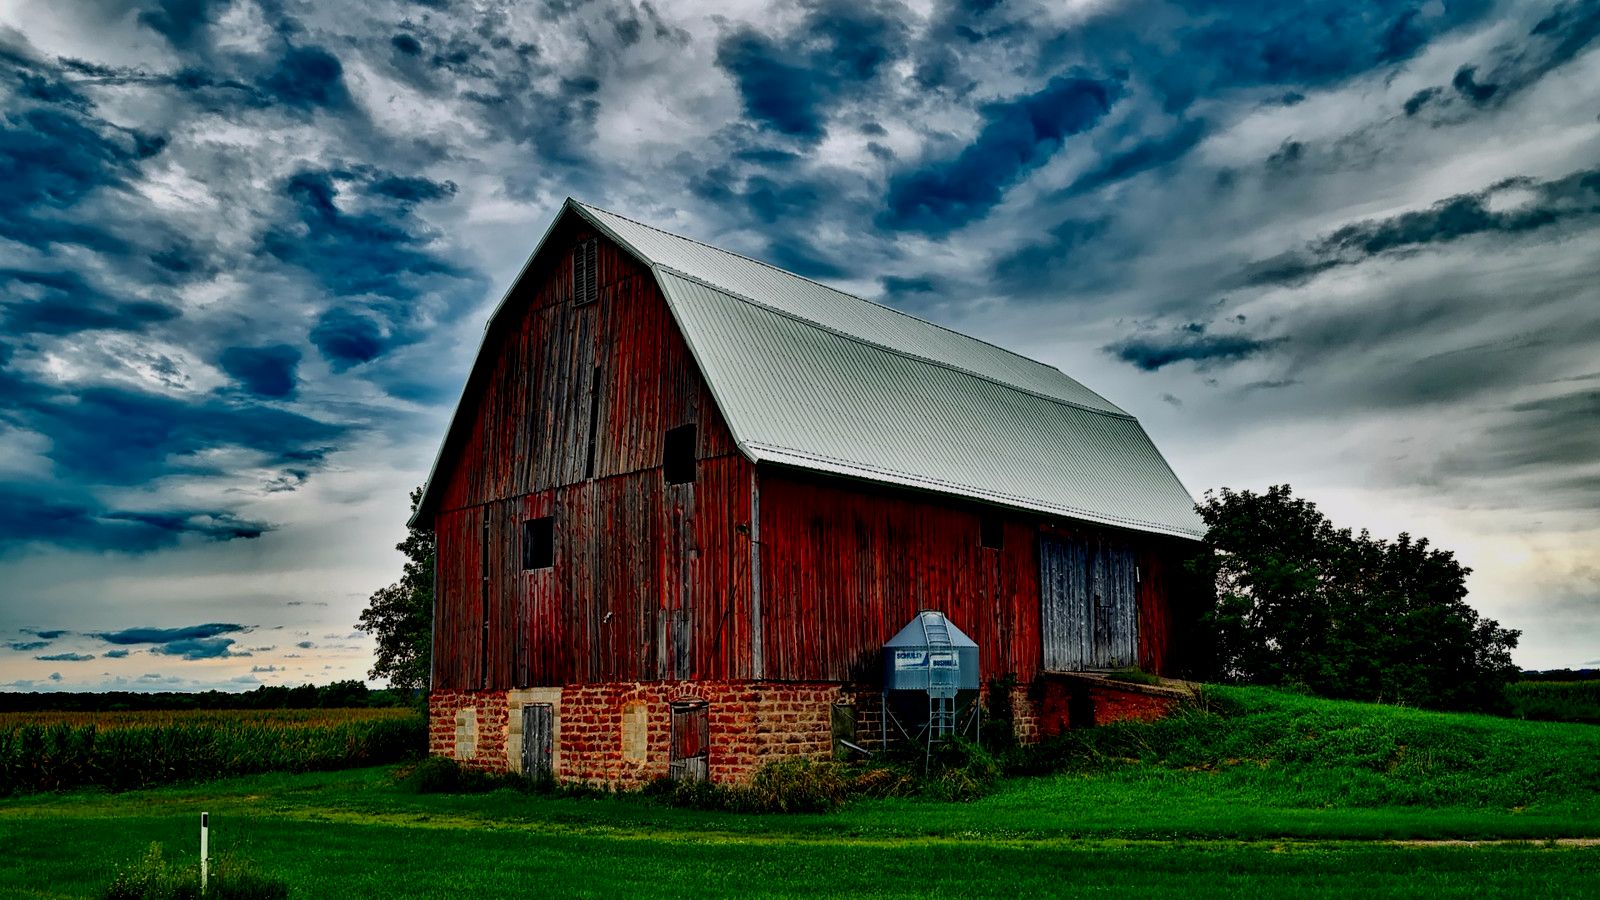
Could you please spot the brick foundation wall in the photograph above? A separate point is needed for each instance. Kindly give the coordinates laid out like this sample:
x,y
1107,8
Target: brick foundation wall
x,y
620,733
1053,704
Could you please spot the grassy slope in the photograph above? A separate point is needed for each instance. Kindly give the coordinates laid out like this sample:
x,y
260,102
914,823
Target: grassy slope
x,y
1283,767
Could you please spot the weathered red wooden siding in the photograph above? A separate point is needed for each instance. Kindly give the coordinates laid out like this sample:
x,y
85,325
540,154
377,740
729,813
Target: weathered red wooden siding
x,y
527,422
650,580
845,565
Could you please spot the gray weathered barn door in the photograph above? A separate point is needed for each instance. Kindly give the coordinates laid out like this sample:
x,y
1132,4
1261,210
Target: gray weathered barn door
x,y
691,741
538,740
1089,609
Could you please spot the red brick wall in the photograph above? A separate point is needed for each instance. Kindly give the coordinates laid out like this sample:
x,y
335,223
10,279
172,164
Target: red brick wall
x,y
492,726
1053,705
750,722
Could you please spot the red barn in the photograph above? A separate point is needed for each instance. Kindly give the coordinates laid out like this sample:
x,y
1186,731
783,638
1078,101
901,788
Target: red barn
x,y
687,496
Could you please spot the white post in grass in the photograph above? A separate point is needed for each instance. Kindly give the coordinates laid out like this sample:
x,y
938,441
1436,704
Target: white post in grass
x,y
205,861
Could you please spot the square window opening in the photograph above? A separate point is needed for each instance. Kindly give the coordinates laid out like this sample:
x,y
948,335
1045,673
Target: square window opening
x,y
992,532
539,543
677,458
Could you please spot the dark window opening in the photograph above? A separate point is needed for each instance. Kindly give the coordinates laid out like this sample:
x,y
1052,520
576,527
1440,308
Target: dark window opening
x,y
539,543
585,272
677,458
992,532
594,422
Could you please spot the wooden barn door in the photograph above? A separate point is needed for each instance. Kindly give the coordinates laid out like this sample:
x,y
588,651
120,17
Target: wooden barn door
x,y
538,740
1089,609
691,741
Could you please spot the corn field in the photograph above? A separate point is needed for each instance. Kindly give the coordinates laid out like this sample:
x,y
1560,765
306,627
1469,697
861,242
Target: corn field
x,y
124,750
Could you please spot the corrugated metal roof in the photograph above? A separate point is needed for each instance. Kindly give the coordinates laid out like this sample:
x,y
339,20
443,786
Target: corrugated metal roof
x,y
809,376
799,394
834,309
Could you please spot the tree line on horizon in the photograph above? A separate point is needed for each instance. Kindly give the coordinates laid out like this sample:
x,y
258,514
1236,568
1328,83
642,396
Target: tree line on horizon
x,y
349,694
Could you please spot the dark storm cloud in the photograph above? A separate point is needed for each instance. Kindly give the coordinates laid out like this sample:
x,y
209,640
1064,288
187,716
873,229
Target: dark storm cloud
x,y
27,646
1141,157
347,339
1017,137
39,514
264,371
60,302
793,82
369,252
1054,260
1192,342
157,433
182,22
1260,42
66,657
1550,203
1511,67
132,636
1466,84
214,526
115,654
413,189
1174,54
199,648
305,78
1416,101
52,158
378,261
1548,435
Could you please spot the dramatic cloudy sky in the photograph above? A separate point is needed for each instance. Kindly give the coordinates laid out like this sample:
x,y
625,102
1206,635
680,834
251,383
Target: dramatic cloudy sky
x,y
247,248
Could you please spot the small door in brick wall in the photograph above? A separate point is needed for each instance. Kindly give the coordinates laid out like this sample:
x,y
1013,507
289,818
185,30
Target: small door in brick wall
x,y
538,740
691,739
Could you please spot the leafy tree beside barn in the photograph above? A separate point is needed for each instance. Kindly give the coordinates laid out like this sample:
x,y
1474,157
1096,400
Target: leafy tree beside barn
x,y
1302,603
400,616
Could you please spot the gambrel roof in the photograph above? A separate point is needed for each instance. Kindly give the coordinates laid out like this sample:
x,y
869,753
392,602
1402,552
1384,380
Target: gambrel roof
x,y
814,378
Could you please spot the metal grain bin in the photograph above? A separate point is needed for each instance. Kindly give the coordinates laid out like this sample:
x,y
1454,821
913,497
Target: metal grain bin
x,y
930,681
930,654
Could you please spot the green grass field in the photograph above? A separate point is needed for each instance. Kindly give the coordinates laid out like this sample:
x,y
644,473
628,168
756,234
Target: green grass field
x,y
1283,796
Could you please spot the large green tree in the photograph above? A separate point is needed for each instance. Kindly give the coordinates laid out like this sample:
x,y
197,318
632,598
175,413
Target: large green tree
x,y
400,616
1300,602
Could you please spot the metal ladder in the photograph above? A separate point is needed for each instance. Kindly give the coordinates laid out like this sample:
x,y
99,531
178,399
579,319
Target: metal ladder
x,y
941,680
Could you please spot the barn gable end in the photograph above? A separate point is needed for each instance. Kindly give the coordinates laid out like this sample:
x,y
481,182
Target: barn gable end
x,y
566,418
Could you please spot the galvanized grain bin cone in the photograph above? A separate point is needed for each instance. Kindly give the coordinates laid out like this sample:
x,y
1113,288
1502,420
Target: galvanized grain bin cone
x,y
930,680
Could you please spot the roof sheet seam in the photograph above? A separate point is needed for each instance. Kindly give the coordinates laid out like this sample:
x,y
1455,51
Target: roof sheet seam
x,y
877,346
